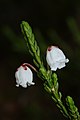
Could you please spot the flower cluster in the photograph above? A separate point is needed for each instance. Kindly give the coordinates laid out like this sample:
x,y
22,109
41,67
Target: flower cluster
x,y
55,59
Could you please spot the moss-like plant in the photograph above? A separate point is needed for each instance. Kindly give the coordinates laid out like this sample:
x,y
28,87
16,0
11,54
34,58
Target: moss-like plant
x,y
51,85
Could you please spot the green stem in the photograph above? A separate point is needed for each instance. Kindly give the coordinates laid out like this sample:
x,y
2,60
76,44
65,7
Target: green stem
x,y
62,107
58,101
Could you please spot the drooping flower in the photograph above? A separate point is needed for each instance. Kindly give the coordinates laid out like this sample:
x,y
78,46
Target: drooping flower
x,y
55,58
24,76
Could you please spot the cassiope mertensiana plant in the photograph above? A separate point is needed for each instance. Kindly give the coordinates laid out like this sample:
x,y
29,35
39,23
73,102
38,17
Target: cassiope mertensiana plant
x,y
55,59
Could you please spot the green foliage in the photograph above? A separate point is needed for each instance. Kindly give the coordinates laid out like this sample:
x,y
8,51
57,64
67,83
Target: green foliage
x,y
31,42
73,110
50,79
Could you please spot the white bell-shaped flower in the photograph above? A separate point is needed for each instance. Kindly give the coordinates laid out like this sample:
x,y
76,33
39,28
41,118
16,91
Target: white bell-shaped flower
x,y
55,58
24,76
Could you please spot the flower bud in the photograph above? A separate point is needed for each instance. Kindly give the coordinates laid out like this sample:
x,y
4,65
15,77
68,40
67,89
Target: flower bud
x,y
24,76
55,58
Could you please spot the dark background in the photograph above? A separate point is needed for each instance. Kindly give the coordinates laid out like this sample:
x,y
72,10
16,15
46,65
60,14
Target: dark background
x,y
54,22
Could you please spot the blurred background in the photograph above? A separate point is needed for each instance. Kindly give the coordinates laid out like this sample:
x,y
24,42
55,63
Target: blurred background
x,y
54,22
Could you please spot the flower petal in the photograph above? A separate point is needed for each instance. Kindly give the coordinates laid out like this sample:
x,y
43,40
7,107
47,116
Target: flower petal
x,y
55,58
24,76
